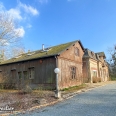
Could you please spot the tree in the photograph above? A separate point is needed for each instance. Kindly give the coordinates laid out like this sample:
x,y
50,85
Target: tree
x,y
10,34
112,61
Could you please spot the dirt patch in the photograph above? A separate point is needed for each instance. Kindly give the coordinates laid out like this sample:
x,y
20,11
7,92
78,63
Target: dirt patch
x,y
20,101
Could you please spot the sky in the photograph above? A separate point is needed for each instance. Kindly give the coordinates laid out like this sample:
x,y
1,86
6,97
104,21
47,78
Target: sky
x,y
53,22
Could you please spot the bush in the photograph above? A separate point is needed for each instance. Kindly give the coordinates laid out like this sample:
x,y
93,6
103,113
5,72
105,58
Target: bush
x,y
7,86
94,79
27,89
98,79
113,78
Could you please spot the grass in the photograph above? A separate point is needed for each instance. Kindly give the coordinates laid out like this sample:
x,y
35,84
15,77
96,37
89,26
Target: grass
x,y
8,90
75,88
113,78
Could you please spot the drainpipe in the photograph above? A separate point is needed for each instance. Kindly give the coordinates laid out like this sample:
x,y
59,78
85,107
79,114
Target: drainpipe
x,y
57,92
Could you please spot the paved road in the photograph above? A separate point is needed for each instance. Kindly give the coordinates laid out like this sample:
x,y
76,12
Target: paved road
x,y
97,102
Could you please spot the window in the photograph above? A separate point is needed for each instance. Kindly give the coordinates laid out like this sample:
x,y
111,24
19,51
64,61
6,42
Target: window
x,y
20,75
13,76
94,73
31,73
73,72
100,72
76,51
25,74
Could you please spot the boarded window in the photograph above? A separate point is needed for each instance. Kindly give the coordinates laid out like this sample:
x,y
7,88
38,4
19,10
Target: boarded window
x,y
20,75
31,73
25,74
73,72
76,51
13,75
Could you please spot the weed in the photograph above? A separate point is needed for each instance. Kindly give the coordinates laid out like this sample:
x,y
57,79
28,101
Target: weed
x,y
75,87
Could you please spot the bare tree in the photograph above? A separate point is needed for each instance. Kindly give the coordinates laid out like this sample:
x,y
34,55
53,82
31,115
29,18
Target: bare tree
x,y
16,51
8,32
9,35
112,61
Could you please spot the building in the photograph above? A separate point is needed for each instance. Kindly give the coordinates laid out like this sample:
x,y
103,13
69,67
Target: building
x,y
94,66
37,67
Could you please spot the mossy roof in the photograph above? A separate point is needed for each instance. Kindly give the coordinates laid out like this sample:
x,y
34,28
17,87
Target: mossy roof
x,y
52,51
90,54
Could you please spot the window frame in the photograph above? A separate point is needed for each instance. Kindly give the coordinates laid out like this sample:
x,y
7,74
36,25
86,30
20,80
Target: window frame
x,y
25,75
31,73
73,72
20,76
77,51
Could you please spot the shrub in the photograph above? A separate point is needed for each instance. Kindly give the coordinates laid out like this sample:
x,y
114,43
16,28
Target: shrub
x,y
94,79
27,89
98,79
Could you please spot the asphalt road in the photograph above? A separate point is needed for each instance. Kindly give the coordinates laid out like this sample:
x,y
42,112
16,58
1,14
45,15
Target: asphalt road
x,y
100,101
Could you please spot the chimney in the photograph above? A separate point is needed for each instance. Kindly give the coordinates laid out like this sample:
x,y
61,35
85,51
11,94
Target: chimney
x,y
43,47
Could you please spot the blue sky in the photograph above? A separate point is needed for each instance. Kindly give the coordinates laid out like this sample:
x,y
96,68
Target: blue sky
x,y
52,22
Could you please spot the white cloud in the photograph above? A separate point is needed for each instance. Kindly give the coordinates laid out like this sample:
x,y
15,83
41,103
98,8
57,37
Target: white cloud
x,y
4,42
15,13
20,13
29,9
20,31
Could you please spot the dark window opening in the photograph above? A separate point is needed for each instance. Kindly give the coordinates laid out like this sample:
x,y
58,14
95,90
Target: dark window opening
x,y
73,72
25,74
13,76
31,73
20,75
76,51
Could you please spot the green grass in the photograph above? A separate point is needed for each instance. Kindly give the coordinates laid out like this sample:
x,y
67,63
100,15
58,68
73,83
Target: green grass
x,y
113,78
75,88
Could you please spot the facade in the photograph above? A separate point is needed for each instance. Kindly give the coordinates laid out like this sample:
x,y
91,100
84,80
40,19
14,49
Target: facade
x,y
37,68
102,66
94,66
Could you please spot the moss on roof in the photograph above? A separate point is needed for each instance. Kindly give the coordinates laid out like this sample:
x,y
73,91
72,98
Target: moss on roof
x,y
52,51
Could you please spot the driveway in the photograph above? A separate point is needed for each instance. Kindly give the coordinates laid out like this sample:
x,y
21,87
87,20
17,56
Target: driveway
x,y
100,101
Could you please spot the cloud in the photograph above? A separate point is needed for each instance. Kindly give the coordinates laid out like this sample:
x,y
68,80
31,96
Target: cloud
x,y
28,9
4,42
15,13
20,31
20,13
